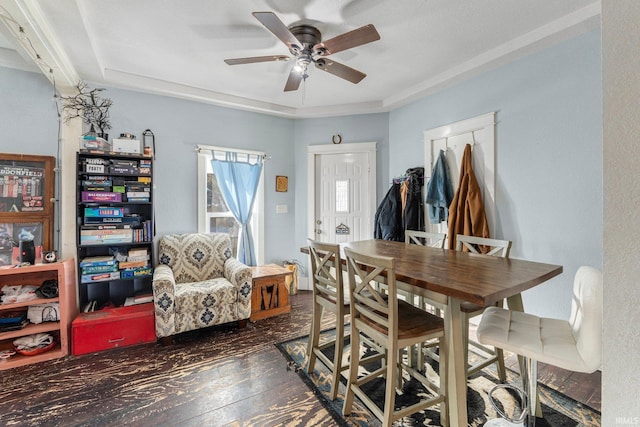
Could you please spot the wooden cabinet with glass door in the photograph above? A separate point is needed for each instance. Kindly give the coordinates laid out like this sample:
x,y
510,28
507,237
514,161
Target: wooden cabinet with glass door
x,y
26,204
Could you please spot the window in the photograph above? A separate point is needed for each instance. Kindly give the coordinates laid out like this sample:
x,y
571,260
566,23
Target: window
x,y
213,214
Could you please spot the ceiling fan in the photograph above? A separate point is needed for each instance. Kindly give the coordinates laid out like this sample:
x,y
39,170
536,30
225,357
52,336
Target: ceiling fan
x,y
306,45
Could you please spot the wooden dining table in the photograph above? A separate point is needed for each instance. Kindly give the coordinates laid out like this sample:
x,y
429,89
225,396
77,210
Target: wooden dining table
x,y
450,277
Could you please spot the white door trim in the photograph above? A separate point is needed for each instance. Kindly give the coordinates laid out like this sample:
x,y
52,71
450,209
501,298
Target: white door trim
x,y
481,127
313,151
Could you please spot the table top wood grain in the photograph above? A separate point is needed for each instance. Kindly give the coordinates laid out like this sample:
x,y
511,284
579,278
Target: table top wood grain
x,y
479,279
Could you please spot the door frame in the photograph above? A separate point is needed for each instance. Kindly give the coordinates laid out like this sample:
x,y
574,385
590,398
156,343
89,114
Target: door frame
x,y
356,147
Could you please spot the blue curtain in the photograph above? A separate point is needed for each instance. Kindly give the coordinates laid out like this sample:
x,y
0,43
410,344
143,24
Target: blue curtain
x,y
238,182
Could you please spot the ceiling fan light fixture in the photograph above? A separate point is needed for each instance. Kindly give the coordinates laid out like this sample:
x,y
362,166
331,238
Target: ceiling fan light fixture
x,y
306,45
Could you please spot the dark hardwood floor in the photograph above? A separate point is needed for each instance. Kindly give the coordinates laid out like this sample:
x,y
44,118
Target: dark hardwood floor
x,y
218,377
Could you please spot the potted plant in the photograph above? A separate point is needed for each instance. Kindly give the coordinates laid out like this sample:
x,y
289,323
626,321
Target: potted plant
x,y
88,105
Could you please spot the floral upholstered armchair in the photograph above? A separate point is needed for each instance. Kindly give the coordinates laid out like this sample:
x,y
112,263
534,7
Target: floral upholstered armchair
x,y
198,284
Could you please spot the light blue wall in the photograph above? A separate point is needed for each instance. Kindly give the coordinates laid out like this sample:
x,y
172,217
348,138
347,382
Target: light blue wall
x,y
548,155
28,115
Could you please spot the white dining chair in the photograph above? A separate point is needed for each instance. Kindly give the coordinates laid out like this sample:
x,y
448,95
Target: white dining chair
x,y
394,324
575,345
425,238
487,247
433,240
328,294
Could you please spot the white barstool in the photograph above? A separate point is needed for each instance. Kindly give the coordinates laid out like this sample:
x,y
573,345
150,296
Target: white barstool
x,y
575,345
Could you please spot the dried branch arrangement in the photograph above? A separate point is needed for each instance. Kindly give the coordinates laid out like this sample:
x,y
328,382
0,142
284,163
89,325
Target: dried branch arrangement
x,y
88,105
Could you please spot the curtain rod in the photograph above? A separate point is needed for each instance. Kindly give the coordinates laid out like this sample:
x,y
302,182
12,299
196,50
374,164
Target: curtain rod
x,y
212,148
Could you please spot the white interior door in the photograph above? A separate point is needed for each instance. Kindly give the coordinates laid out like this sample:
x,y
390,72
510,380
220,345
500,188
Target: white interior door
x,y
341,197
342,192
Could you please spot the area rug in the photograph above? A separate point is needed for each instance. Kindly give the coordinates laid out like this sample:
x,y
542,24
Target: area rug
x,y
558,410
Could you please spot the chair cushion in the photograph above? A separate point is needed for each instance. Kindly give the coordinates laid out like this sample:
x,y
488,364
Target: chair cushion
x,y
207,303
195,257
545,340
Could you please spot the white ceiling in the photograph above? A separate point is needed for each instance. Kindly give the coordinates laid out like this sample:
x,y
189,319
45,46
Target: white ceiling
x,y
177,47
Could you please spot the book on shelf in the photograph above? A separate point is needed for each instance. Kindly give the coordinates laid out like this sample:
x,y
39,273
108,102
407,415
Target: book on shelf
x,y
106,241
123,170
99,277
132,264
124,163
129,273
101,196
105,227
97,183
104,211
97,269
98,260
114,232
133,220
138,194
138,252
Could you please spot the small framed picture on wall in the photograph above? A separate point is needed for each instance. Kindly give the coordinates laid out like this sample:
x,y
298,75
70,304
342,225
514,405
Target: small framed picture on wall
x,y
282,183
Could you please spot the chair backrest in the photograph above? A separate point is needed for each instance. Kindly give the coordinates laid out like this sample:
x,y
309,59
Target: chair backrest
x,y
586,315
373,313
425,238
486,246
327,281
195,257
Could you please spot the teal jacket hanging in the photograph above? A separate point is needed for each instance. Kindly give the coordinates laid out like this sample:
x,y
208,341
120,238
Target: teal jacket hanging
x,y
439,191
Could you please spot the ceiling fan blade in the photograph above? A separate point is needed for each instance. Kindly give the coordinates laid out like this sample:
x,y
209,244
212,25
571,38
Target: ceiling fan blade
x,y
250,60
357,37
340,70
293,82
275,25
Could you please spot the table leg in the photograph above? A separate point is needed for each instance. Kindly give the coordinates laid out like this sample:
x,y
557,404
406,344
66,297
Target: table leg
x,y
456,371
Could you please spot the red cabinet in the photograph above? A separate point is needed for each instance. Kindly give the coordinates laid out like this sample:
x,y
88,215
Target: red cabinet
x,y
112,328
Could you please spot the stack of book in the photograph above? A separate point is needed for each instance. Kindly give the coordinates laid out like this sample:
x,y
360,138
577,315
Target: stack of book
x,y
97,183
137,191
145,167
123,167
137,264
144,233
105,224
99,269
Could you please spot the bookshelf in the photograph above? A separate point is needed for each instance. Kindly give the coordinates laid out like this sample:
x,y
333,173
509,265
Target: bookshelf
x,y
114,228
63,272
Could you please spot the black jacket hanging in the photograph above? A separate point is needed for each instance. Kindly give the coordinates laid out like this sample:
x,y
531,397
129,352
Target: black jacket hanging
x,y
413,218
388,218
